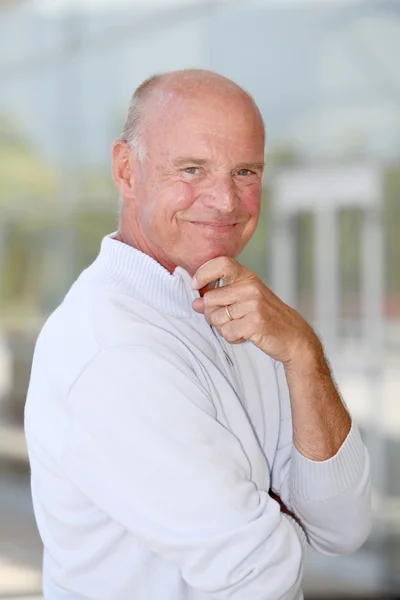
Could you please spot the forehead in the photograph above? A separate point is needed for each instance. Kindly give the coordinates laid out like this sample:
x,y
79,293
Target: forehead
x,y
205,121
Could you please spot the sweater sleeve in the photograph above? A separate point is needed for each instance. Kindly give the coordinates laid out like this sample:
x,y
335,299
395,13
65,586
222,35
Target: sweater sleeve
x,y
145,447
332,498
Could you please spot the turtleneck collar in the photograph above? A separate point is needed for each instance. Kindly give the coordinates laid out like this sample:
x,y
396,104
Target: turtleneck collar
x,y
140,276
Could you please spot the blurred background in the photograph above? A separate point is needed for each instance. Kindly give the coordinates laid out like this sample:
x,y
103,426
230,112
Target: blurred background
x,y
326,76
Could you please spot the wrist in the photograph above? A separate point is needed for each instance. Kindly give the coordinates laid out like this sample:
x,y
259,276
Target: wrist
x,y
307,357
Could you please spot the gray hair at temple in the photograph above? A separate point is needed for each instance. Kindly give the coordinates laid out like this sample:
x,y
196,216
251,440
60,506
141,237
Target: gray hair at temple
x,y
132,132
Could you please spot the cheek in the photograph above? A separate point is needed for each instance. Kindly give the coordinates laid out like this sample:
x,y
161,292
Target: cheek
x,y
251,200
165,201
180,197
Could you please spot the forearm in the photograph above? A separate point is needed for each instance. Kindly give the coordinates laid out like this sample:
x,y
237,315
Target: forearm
x,y
320,471
320,420
330,498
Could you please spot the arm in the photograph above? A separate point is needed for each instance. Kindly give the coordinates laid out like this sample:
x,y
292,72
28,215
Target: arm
x,y
326,469
145,447
330,497
320,421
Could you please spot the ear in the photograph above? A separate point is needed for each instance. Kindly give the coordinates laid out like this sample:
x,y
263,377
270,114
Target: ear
x,y
122,162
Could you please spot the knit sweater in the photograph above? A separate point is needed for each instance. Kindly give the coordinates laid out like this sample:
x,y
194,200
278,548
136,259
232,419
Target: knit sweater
x,y
153,445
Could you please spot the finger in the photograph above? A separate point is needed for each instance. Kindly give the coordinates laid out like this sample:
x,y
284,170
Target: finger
x,y
252,293
198,305
239,341
233,294
235,331
226,295
222,267
219,316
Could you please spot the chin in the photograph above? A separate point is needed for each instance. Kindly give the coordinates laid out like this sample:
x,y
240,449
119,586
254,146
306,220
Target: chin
x,y
201,259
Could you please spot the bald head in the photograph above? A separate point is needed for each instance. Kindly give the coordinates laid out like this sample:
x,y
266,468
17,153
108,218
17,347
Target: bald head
x,y
189,169
161,92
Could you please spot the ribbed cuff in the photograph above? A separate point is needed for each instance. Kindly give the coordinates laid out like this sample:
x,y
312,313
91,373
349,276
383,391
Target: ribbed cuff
x,y
320,481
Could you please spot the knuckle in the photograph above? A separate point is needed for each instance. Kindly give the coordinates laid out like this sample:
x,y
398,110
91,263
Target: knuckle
x,y
226,264
226,260
254,305
208,317
256,319
258,291
226,330
208,299
217,318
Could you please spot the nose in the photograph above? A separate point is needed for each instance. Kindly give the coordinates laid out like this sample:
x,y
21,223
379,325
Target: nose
x,y
222,195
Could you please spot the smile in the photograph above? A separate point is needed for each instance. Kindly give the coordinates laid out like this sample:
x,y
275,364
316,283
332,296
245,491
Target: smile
x,y
215,225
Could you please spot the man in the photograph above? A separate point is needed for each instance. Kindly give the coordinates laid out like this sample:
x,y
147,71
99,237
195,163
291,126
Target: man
x,y
186,438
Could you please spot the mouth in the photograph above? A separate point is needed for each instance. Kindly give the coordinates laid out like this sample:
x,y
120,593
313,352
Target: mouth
x,y
220,226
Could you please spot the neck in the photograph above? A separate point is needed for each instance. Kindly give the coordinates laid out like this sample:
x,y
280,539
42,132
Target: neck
x,y
139,243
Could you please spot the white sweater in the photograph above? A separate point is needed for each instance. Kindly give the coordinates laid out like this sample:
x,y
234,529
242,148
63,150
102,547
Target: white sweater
x,y
153,444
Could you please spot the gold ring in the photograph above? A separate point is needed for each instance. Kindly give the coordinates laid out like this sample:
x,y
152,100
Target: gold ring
x,y
228,312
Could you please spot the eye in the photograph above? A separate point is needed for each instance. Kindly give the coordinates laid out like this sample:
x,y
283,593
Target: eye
x,y
245,172
192,170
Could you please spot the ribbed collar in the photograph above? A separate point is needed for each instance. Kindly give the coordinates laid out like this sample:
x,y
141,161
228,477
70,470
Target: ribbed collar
x,y
134,273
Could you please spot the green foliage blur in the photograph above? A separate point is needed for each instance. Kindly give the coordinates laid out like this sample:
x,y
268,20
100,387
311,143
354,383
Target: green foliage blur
x,y
45,243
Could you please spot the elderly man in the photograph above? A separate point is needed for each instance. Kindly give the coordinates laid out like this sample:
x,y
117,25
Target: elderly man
x,y
186,438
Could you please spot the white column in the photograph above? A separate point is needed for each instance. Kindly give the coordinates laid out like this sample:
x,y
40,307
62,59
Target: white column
x,y
372,282
326,276
373,331
283,276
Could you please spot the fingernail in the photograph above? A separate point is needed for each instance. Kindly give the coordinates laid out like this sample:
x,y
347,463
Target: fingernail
x,y
194,283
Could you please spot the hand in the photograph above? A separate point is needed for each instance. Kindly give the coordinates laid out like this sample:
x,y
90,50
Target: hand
x,y
257,313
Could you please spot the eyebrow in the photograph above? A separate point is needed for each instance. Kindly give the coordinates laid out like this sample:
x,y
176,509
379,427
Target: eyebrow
x,y
257,166
184,160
